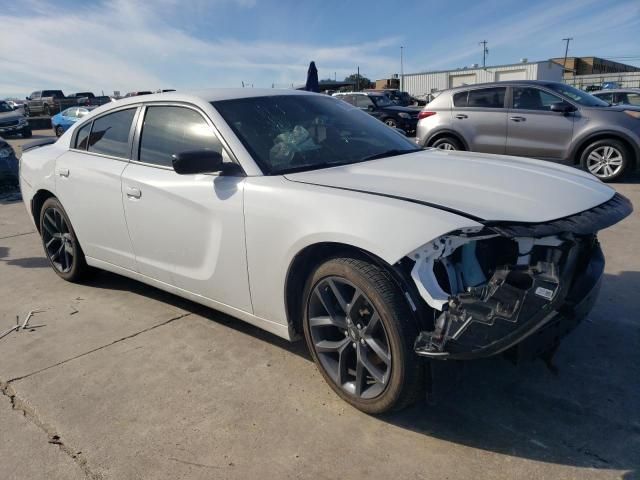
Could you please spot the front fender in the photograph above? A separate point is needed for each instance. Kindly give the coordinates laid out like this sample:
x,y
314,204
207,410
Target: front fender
x,y
283,217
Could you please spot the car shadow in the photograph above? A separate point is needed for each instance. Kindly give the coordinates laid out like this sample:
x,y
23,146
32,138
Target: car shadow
x,y
27,262
587,414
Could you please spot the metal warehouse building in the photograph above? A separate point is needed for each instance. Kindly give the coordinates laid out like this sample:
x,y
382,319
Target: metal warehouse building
x,y
429,82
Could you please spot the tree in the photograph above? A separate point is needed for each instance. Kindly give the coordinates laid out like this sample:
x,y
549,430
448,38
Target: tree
x,y
364,82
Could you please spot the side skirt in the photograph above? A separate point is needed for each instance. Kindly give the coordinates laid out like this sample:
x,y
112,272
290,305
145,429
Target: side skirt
x,y
271,327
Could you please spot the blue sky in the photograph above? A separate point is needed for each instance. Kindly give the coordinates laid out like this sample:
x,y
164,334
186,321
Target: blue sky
x,y
134,45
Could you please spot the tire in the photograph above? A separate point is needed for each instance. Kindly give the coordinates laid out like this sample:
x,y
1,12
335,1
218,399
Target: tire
x,y
391,122
447,143
27,133
59,131
46,110
607,159
69,263
391,374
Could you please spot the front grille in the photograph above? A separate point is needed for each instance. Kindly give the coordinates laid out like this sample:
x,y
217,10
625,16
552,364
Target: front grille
x,y
9,123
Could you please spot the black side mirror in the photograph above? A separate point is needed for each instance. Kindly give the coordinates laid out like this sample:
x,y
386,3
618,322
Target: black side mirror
x,y
562,107
197,161
27,98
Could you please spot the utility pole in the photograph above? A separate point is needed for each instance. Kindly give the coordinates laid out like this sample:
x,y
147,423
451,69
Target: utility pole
x,y
358,80
566,51
401,69
485,52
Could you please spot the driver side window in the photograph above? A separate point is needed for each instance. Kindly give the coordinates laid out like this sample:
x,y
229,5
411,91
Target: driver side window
x,y
363,102
527,98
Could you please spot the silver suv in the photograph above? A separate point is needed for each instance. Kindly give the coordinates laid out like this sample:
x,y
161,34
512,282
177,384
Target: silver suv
x,y
546,120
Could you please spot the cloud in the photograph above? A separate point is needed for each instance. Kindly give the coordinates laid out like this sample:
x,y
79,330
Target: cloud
x,y
124,45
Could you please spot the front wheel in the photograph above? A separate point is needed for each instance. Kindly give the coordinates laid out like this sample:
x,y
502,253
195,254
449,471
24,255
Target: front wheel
x,y
60,242
360,334
391,122
607,159
59,131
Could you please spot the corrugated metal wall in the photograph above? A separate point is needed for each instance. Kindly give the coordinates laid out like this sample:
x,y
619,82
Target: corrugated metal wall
x,y
421,83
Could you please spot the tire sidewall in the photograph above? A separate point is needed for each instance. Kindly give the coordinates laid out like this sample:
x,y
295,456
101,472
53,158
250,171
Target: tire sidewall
x,y
394,388
79,264
449,140
611,143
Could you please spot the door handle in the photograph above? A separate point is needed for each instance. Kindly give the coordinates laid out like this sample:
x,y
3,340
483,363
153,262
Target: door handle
x,y
133,192
518,119
461,116
63,172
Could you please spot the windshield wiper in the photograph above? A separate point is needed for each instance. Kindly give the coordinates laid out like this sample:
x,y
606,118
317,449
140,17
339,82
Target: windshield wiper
x,y
388,153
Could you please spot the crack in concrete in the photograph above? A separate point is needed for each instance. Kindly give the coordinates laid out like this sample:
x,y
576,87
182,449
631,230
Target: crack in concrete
x,y
166,322
54,438
17,235
20,406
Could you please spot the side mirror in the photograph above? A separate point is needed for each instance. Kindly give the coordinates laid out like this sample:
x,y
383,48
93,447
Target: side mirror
x,y
203,161
562,107
27,98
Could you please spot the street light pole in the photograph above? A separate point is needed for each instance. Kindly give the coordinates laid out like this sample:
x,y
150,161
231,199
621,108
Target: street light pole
x,y
566,51
401,69
485,50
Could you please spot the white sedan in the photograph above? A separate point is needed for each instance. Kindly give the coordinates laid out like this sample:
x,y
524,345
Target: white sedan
x,y
303,215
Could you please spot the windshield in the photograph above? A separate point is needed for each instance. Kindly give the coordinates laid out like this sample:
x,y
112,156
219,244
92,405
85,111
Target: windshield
x,y
5,107
578,96
289,133
381,100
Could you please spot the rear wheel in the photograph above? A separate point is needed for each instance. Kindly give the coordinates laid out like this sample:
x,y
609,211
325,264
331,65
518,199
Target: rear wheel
x,y
447,143
391,122
60,242
360,334
607,159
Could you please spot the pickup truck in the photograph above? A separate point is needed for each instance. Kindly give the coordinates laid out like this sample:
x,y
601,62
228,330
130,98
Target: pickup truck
x,y
47,102
88,99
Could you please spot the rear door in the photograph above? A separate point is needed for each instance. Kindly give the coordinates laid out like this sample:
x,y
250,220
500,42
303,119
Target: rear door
x,y
187,230
88,185
481,118
534,130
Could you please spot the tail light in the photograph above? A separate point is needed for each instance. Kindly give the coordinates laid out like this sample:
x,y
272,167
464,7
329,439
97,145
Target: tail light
x,y
425,114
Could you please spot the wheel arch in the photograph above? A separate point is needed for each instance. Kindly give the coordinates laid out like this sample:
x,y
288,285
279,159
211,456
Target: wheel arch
x,y
37,201
310,257
446,133
583,143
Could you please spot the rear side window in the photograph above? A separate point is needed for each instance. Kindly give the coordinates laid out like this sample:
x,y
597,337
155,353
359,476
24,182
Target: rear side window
x,y
460,99
83,137
110,134
487,97
607,97
170,130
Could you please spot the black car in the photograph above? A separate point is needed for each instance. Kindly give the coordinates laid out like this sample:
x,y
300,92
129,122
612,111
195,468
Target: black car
x,y
380,106
12,122
8,167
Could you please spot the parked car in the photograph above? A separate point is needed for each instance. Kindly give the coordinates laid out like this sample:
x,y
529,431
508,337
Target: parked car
x,y
620,96
546,120
380,106
63,120
8,166
12,122
305,216
16,105
404,99
47,102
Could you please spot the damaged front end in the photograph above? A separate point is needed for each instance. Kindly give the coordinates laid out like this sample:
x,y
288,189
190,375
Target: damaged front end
x,y
494,287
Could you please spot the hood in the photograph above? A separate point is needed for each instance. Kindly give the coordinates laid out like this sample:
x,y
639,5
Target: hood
x,y
484,186
8,116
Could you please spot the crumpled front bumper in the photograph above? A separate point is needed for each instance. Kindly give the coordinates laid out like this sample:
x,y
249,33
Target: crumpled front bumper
x,y
531,300
535,325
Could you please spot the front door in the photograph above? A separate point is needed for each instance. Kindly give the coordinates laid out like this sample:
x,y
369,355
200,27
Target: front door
x,y
88,185
187,230
533,129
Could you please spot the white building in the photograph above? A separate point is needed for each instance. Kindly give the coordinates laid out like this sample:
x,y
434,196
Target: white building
x,y
430,82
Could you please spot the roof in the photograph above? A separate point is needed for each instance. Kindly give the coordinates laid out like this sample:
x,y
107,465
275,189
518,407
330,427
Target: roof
x,y
504,83
211,95
368,93
617,90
